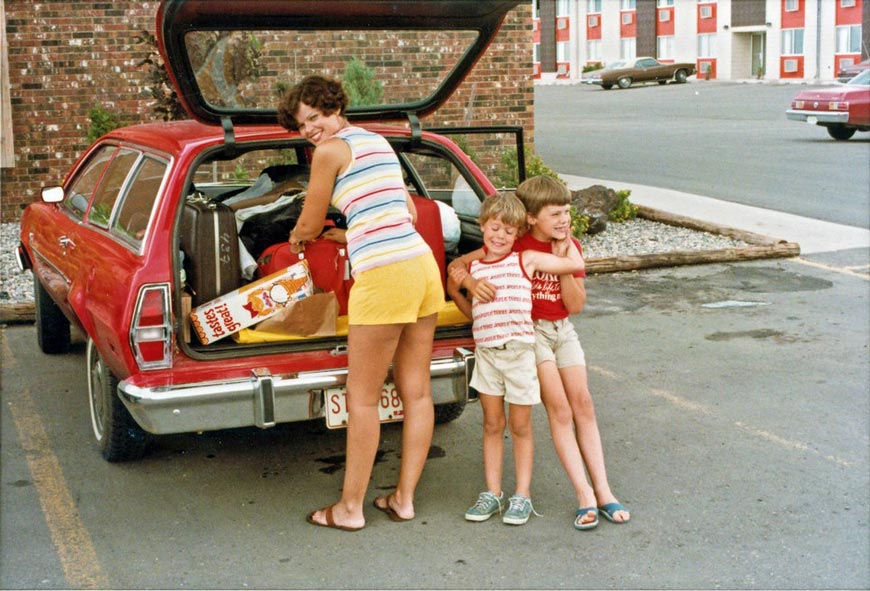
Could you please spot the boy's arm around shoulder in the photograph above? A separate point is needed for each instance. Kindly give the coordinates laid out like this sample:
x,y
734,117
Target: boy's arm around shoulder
x,y
544,262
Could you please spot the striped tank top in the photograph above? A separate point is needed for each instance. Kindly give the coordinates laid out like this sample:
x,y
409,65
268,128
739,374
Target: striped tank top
x,y
508,317
371,194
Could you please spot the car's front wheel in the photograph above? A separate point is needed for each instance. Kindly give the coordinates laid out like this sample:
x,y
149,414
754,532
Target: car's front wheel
x,y
52,327
624,82
681,76
841,132
118,436
607,86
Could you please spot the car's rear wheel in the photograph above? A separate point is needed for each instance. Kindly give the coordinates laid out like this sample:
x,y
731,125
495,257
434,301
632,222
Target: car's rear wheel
x,y
119,437
52,327
681,76
444,413
840,132
624,82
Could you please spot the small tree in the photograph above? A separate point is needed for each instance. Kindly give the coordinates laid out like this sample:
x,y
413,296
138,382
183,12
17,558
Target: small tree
x,y
360,84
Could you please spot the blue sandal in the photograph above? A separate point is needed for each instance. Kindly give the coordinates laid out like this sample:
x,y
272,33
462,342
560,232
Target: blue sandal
x,y
581,513
610,508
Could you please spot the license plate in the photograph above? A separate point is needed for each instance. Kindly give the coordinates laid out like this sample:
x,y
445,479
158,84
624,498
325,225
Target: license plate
x,y
812,120
389,406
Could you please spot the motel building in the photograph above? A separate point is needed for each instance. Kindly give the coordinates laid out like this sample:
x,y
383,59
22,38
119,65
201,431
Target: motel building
x,y
779,40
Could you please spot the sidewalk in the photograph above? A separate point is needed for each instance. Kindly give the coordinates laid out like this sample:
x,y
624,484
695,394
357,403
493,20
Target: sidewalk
x,y
813,236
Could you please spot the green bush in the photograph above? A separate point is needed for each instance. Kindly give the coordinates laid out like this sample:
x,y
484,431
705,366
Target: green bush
x,y
579,223
360,84
592,67
624,209
508,174
102,122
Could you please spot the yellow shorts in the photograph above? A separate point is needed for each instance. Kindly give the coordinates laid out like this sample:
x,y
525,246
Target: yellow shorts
x,y
398,293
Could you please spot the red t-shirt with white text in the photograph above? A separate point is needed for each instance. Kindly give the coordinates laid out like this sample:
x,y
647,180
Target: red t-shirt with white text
x,y
546,288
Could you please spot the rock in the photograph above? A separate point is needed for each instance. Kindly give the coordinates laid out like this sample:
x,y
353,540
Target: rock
x,y
595,202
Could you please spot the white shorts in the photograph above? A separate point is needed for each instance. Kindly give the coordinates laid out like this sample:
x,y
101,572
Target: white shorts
x,y
556,340
509,371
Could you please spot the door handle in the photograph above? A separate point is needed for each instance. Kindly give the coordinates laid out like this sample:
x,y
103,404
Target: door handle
x,y
66,242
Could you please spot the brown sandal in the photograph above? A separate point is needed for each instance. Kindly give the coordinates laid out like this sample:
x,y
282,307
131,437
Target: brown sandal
x,y
330,522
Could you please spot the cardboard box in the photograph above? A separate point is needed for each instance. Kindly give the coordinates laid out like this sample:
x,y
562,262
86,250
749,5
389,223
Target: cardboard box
x,y
252,303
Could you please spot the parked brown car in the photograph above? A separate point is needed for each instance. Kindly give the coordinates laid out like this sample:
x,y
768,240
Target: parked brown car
x,y
641,69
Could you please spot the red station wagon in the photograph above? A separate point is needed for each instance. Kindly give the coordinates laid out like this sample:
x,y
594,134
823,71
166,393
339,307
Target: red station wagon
x,y
157,218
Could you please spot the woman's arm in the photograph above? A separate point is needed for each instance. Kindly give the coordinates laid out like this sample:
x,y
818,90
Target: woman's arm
x,y
330,158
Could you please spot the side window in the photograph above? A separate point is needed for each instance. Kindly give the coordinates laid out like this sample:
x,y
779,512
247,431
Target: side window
x,y
444,182
78,193
110,187
134,214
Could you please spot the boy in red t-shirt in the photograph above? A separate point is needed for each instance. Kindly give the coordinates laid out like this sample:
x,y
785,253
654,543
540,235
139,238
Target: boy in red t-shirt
x,y
561,363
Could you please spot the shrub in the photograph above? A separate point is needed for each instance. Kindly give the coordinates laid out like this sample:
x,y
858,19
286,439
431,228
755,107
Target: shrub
x,y
624,209
579,223
360,84
102,122
508,175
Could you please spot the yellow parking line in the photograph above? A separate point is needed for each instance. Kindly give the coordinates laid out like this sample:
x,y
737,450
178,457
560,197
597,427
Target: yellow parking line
x,y
844,270
74,547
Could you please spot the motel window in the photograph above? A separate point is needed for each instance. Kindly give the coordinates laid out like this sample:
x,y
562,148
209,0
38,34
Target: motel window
x,y
847,3
562,51
792,41
593,51
664,15
537,53
628,48
665,2
563,8
791,5
593,20
707,45
790,66
628,5
706,11
626,18
665,47
593,5
849,39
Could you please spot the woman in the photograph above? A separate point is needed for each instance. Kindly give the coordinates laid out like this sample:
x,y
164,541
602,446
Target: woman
x,y
395,298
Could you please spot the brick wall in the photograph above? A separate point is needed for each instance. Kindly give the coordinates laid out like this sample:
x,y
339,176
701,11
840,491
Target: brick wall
x,y
65,57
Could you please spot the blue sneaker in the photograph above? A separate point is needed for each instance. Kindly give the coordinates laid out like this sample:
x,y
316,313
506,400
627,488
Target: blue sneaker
x,y
486,506
519,510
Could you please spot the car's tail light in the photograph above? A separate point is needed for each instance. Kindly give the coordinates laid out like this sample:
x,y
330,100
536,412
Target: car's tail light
x,y
797,104
151,330
838,106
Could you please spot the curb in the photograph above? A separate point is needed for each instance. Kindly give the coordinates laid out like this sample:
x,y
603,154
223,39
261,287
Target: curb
x,y
761,247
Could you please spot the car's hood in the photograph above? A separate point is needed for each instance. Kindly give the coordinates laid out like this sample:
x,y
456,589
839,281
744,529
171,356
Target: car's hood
x,y
229,59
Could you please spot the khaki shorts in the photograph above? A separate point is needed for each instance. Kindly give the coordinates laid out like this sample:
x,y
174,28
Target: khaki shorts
x,y
556,340
507,371
398,293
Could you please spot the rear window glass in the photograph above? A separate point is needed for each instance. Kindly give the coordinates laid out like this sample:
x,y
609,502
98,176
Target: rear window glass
x,y
111,186
135,211
244,69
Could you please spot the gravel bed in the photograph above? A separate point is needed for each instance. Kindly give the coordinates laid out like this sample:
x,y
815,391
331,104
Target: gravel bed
x,y
638,236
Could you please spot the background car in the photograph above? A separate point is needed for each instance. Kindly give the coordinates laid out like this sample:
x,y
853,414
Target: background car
x,y
149,221
842,110
642,69
849,72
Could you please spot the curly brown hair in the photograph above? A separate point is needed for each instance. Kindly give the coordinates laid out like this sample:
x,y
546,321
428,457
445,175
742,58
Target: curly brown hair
x,y
322,93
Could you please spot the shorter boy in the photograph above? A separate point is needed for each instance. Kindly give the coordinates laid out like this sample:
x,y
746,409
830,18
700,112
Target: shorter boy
x,y
504,339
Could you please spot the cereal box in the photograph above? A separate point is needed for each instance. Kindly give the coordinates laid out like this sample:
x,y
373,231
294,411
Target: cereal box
x,y
252,303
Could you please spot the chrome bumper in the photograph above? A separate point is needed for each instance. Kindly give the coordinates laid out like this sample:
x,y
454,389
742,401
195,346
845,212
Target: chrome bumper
x,y
264,400
815,117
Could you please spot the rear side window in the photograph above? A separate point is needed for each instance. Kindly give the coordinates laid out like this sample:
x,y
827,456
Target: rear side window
x,y
111,186
137,205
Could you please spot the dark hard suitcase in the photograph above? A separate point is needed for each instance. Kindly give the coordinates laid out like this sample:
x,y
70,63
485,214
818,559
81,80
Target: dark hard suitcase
x,y
210,243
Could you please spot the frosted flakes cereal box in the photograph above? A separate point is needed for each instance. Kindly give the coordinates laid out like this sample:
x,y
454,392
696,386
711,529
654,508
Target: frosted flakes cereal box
x,y
252,303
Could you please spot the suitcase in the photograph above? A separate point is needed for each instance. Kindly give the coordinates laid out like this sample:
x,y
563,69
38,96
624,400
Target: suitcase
x,y
210,243
429,227
327,263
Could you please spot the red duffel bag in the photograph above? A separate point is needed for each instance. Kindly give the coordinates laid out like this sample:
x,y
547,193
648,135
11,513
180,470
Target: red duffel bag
x,y
327,262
